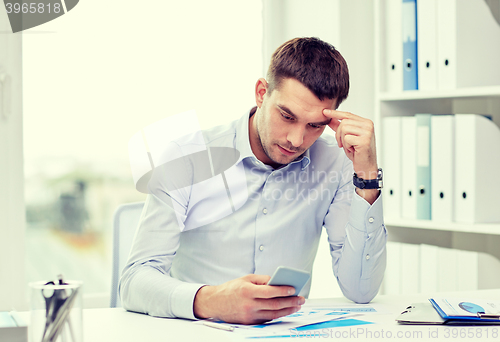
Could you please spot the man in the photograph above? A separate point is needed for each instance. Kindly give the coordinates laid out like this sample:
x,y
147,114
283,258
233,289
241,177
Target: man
x,y
298,182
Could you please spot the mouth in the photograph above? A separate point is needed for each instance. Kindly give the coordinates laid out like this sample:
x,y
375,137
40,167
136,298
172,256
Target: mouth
x,y
286,152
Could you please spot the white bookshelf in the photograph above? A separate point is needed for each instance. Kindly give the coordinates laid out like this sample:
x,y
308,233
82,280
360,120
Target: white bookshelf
x,y
478,100
477,228
460,93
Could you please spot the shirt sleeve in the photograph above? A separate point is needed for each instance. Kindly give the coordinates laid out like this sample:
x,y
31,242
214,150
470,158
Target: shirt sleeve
x,y
357,237
146,285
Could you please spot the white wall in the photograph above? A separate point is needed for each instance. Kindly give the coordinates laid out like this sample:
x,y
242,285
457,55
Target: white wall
x,y
357,43
103,71
12,285
287,19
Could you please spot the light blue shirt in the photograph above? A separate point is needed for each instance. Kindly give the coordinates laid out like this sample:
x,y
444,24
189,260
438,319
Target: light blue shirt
x,y
278,223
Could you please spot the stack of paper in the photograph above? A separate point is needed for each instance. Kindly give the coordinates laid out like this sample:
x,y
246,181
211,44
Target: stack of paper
x,y
310,321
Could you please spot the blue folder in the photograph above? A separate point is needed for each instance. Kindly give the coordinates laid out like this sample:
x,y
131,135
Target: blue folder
x,y
410,76
424,166
479,318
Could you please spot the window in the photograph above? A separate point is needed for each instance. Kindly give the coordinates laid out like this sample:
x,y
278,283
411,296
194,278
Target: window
x,y
94,77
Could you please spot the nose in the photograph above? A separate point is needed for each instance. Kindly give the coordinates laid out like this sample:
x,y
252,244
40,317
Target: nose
x,y
296,136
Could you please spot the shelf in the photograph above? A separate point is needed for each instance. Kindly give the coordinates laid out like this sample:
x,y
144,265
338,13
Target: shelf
x,y
478,228
491,91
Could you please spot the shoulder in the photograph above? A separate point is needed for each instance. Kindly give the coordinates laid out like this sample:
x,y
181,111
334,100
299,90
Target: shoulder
x,y
221,136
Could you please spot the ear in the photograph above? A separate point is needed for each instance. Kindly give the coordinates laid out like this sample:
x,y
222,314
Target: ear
x,y
260,91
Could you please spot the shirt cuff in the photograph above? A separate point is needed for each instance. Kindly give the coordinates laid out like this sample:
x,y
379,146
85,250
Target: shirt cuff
x,y
365,217
183,300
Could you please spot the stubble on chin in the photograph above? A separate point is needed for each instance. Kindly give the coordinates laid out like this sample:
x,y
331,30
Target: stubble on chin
x,y
267,152
264,149
285,160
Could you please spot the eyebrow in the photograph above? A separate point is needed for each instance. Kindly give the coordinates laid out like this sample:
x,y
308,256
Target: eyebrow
x,y
289,112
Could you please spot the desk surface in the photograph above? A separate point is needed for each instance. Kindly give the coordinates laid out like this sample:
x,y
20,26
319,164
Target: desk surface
x,y
119,325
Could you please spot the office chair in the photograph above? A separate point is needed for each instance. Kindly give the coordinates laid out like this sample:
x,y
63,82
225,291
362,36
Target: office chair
x,y
125,223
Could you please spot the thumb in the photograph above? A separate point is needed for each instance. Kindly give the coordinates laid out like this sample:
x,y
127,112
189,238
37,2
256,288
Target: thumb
x,y
258,279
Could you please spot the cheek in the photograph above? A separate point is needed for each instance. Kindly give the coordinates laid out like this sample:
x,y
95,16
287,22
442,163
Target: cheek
x,y
274,128
265,130
280,132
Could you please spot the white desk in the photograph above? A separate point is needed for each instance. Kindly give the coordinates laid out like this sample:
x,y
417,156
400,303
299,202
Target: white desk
x,y
102,325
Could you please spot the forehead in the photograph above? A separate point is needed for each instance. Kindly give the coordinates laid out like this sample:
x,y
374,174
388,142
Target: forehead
x,y
301,101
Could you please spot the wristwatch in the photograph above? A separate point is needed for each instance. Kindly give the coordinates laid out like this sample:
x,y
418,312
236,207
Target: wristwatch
x,y
369,183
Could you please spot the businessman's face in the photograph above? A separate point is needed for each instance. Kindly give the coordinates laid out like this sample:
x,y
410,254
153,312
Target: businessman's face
x,y
287,122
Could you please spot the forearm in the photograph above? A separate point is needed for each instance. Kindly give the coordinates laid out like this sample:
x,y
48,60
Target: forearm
x,y
369,195
146,289
146,284
359,266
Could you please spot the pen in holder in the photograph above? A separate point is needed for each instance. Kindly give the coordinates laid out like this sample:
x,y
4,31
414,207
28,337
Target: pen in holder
x,y
56,311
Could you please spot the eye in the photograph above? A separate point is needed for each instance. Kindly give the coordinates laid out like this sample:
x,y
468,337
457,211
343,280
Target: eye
x,y
286,117
315,126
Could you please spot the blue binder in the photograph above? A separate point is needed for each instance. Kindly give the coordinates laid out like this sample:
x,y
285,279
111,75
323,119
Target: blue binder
x,y
479,317
432,313
423,166
410,69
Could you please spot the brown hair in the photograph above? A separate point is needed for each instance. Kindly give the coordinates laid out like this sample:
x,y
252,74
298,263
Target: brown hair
x,y
314,63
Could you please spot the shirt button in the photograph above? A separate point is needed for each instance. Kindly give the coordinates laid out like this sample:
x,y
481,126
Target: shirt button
x,y
264,211
371,219
261,248
367,257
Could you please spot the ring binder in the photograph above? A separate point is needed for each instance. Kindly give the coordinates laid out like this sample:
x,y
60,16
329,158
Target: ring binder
x,y
455,311
432,313
482,315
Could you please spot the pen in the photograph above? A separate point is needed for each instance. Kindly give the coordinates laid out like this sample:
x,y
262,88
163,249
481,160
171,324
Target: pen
x,y
218,326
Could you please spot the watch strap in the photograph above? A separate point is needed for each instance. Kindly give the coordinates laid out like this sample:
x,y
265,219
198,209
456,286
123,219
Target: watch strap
x,y
368,183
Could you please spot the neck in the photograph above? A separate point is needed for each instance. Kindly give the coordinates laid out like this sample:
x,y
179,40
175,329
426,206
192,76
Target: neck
x,y
255,143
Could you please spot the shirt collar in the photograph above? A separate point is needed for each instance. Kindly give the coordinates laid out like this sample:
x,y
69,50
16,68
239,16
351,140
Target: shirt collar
x,y
306,160
242,143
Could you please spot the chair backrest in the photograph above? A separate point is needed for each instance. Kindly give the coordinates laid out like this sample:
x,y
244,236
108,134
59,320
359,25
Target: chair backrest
x,y
125,223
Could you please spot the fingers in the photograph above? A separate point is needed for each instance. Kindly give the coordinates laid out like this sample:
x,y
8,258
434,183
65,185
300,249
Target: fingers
x,y
340,119
269,315
249,300
334,124
280,303
270,309
356,135
257,279
273,291
348,128
339,115
336,118
267,291
349,143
